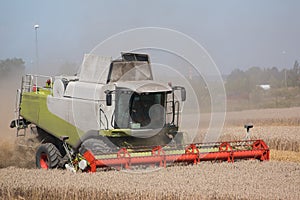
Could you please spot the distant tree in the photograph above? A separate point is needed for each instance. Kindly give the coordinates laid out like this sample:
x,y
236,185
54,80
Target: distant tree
x,y
296,67
274,77
240,82
295,74
236,82
255,77
10,66
242,90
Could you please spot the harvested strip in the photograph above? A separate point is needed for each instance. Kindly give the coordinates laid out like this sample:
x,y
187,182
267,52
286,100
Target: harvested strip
x,y
240,180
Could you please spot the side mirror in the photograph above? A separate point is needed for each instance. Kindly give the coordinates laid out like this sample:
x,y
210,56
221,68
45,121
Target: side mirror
x,y
183,94
108,98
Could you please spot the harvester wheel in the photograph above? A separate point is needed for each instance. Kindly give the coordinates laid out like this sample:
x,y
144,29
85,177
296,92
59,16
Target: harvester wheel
x,y
47,156
98,145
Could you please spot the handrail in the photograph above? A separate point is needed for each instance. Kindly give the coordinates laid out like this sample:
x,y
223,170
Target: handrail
x,y
32,83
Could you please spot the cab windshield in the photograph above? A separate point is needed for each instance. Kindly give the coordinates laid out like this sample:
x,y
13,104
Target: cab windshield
x,y
135,111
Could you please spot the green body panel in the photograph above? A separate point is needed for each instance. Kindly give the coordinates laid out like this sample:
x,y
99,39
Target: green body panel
x,y
115,132
34,109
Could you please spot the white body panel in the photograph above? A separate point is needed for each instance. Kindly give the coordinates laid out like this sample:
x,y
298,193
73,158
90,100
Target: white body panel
x,y
94,69
81,101
80,105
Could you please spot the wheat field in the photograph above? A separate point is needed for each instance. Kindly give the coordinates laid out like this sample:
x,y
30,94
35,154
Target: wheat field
x,y
240,180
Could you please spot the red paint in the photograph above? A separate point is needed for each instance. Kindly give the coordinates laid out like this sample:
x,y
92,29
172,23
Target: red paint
x,y
44,161
228,151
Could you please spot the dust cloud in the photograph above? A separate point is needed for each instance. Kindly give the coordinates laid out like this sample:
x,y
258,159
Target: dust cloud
x,y
10,153
8,87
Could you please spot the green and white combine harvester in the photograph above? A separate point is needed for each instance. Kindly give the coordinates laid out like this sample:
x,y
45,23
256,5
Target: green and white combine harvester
x,y
113,114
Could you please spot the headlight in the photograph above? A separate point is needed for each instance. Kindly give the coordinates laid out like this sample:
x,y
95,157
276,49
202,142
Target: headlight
x,y
82,164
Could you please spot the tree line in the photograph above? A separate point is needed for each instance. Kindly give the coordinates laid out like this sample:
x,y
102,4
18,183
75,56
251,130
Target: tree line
x,y
9,66
240,81
244,88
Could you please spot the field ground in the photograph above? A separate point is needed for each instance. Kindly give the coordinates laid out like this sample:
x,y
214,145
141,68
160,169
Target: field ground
x,y
240,180
265,117
276,179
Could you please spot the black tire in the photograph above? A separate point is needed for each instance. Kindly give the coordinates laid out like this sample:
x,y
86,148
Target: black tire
x,y
47,156
99,145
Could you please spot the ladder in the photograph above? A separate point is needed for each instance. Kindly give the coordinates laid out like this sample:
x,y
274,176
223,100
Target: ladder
x,y
26,86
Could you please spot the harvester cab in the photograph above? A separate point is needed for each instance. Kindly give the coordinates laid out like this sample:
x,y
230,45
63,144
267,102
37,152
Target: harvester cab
x,y
114,114
145,110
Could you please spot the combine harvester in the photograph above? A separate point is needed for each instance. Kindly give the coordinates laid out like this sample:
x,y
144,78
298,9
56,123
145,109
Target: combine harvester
x,y
114,115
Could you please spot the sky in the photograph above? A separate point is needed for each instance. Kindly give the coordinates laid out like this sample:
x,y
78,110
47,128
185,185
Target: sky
x,y
236,34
